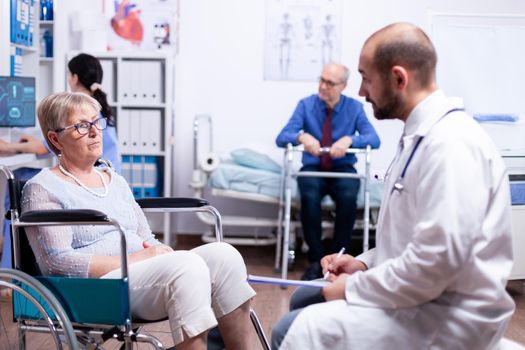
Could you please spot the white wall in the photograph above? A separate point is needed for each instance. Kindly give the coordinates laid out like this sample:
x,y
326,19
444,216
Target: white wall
x,y
219,71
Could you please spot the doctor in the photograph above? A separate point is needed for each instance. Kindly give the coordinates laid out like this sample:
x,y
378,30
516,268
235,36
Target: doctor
x,y
436,279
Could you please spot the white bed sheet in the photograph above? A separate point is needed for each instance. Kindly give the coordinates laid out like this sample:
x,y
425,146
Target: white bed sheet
x,y
231,176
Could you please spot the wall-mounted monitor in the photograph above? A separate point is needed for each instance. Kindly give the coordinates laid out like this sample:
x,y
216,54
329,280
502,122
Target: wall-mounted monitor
x,y
17,101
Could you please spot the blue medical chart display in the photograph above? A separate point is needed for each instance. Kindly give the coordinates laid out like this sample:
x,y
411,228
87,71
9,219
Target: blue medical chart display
x,y
17,101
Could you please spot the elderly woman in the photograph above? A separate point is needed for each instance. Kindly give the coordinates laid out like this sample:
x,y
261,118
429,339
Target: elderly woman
x,y
196,289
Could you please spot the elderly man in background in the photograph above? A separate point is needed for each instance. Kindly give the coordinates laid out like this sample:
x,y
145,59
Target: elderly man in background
x,y
328,119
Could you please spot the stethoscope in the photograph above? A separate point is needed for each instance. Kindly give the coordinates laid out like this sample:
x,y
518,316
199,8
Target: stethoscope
x,y
398,185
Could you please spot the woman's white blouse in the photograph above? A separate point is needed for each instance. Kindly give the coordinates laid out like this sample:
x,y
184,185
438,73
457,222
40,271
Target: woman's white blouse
x,y
67,250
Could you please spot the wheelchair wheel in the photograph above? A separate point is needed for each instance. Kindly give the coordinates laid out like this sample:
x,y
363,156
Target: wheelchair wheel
x,y
30,315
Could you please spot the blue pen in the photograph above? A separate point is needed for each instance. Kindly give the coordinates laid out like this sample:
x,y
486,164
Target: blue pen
x,y
341,252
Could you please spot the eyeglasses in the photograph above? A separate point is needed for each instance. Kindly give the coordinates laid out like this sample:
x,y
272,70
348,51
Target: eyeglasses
x,y
329,83
84,127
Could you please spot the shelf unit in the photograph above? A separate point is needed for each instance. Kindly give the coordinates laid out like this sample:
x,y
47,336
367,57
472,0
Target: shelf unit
x,y
30,62
139,89
52,70
27,61
46,64
27,66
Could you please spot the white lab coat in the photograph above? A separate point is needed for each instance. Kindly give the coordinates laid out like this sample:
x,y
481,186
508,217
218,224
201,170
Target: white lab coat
x,y
437,277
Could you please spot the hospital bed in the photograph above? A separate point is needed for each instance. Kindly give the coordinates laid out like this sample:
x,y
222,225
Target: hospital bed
x,y
231,180
250,176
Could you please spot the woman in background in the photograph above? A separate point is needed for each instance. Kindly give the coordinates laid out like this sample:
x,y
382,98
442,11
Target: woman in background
x,y
85,75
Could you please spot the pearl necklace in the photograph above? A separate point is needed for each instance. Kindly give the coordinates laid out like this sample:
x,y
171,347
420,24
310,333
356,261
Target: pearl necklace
x,y
101,195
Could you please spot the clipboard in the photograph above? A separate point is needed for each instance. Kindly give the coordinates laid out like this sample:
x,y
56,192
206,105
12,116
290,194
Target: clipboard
x,y
287,282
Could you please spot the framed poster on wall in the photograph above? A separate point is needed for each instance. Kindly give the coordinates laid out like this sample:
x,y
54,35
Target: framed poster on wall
x,y
300,37
143,25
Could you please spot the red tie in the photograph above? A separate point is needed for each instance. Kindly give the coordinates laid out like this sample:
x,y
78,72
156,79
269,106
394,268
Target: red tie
x,y
326,161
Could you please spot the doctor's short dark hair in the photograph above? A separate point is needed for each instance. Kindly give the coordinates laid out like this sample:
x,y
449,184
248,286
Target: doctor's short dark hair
x,y
415,54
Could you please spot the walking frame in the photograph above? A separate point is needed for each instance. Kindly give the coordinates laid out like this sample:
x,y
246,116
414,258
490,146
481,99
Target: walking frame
x,y
283,233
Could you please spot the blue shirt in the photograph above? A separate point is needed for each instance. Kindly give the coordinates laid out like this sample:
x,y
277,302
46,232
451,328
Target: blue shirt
x,y
348,119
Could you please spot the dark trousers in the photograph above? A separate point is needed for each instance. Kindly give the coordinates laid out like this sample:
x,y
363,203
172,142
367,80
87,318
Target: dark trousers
x,y
343,193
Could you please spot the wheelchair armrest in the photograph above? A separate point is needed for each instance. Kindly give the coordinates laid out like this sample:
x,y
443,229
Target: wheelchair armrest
x,y
171,202
182,204
75,215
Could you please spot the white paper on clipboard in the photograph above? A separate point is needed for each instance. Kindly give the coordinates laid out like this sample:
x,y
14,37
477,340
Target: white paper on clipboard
x,y
286,282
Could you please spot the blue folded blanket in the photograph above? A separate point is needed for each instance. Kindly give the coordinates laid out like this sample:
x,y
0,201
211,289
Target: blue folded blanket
x,y
487,118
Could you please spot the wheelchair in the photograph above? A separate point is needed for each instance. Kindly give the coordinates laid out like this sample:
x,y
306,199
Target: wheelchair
x,y
68,310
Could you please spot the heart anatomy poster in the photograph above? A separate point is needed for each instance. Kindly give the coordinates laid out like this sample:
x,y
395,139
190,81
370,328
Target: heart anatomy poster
x,y
142,24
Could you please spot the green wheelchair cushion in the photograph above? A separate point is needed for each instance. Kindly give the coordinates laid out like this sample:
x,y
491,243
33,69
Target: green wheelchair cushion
x,y
85,300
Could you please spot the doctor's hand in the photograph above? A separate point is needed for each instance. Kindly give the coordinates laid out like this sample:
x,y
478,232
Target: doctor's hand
x,y
338,148
340,265
310,143
336,289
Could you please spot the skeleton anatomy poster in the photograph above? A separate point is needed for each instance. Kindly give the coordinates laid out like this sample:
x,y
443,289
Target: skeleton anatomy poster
x,y
300,37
